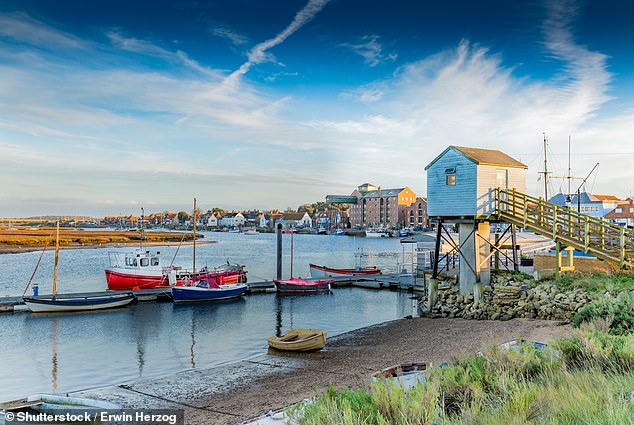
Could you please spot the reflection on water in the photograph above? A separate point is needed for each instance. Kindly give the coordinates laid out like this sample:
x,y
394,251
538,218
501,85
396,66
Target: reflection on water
x,y
67,352
70,351
54,327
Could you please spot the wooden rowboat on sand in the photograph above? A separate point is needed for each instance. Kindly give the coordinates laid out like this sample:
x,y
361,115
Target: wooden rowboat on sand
x,y
299,340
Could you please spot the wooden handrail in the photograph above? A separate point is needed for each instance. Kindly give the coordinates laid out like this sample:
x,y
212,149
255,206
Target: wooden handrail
x,y
581,231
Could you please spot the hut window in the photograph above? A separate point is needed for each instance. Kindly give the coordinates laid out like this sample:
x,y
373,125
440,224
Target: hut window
x,y
145,262
451,179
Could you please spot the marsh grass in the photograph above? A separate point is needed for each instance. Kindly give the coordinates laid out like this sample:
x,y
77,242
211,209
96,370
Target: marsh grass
x,y
43,237
585,379
598,283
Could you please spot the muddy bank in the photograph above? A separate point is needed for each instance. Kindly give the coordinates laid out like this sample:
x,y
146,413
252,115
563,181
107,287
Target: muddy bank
x,y
233,393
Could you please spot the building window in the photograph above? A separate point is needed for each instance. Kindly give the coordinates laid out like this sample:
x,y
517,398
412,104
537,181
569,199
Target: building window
x,y
381,211
619,210
411,217
451,179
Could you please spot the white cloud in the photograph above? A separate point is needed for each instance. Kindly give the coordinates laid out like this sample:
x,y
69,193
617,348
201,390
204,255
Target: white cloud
x,y
227,33
369,48
259,53
22,28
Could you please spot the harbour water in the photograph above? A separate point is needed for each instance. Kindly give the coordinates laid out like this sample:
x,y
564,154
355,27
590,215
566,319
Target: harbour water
x,y
68,352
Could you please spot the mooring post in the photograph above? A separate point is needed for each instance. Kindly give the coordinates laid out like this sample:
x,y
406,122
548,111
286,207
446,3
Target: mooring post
x,y
279,251
434,274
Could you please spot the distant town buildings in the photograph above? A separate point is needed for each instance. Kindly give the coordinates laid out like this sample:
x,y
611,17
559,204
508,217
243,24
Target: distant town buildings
x,y
380,207
587,203
622,214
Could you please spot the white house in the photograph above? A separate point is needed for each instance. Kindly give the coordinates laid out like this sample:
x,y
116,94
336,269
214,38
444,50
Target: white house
x,y
461,181
296,219
232,220
623,214
212,221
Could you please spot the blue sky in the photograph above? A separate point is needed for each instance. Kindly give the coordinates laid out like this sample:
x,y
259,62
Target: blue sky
x,y
109,106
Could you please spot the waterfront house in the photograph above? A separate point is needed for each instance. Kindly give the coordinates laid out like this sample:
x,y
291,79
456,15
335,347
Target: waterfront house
x,y
212,220
292,219
623,214
380,207
461,181
232,220
587,203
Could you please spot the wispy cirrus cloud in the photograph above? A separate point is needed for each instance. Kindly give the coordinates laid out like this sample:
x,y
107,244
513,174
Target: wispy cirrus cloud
x,y
228,33
23,28
369,48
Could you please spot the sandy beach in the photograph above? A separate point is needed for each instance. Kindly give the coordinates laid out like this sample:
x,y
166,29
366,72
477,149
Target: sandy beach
x,y
233,393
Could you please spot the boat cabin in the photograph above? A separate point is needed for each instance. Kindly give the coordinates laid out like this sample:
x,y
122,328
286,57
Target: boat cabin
x,y
137,259
461,181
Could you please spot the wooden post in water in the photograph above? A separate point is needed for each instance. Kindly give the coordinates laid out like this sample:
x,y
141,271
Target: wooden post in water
x,y
56,259
279,251
194,260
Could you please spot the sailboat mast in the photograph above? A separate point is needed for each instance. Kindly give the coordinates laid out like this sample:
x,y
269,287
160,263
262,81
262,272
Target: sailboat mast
x,y
194,260
56,260
545,172
569,172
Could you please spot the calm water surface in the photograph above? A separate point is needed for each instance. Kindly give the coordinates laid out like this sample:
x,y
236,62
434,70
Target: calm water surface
x,y
67,352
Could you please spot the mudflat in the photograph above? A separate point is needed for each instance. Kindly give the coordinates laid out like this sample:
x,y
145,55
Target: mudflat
x,y
33,239
233,393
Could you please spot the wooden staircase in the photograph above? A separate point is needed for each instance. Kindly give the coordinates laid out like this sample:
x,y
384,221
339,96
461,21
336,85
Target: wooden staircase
x,y
588,234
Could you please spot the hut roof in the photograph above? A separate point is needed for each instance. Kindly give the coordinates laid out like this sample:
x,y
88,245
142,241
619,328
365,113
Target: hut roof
x,y
484,157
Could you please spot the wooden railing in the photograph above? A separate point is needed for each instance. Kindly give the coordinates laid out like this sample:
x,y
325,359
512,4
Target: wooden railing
x,y
588,234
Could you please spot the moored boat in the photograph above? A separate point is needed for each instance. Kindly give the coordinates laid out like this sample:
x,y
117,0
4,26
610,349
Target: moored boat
x,y
143,269
299,285
50,303
323,271
299,340
207,291
55,303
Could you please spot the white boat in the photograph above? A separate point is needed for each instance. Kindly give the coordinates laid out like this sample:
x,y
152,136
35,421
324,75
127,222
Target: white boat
x,y
54,303
377,233
251,232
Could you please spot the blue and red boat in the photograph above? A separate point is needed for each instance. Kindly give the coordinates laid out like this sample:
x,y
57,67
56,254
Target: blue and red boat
x,y
204,290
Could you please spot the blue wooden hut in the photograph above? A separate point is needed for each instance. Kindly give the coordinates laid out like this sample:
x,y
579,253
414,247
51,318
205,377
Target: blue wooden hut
x,y
461,182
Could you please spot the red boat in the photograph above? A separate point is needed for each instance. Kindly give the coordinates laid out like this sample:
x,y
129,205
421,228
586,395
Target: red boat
x,y
323,271
299,285
141,269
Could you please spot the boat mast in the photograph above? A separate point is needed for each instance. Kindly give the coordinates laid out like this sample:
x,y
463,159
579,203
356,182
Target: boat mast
x,y
545,172
56,260
569,172
194,260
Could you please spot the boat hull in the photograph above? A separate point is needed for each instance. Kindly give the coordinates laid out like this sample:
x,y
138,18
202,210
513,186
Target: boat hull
x,y
49,304
323,271
195,293
301,286
299,340
119,281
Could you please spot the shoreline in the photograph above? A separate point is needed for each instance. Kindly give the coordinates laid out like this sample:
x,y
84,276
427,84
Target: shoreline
x,y
237,391
23,249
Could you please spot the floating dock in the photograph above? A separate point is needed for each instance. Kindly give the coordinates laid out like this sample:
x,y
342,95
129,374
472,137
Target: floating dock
x,y
164,294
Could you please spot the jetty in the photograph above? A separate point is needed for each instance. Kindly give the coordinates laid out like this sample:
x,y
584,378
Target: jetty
x,y
164,294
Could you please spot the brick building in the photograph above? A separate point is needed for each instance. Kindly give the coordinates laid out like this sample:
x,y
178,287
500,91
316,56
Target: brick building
x,y
380,207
